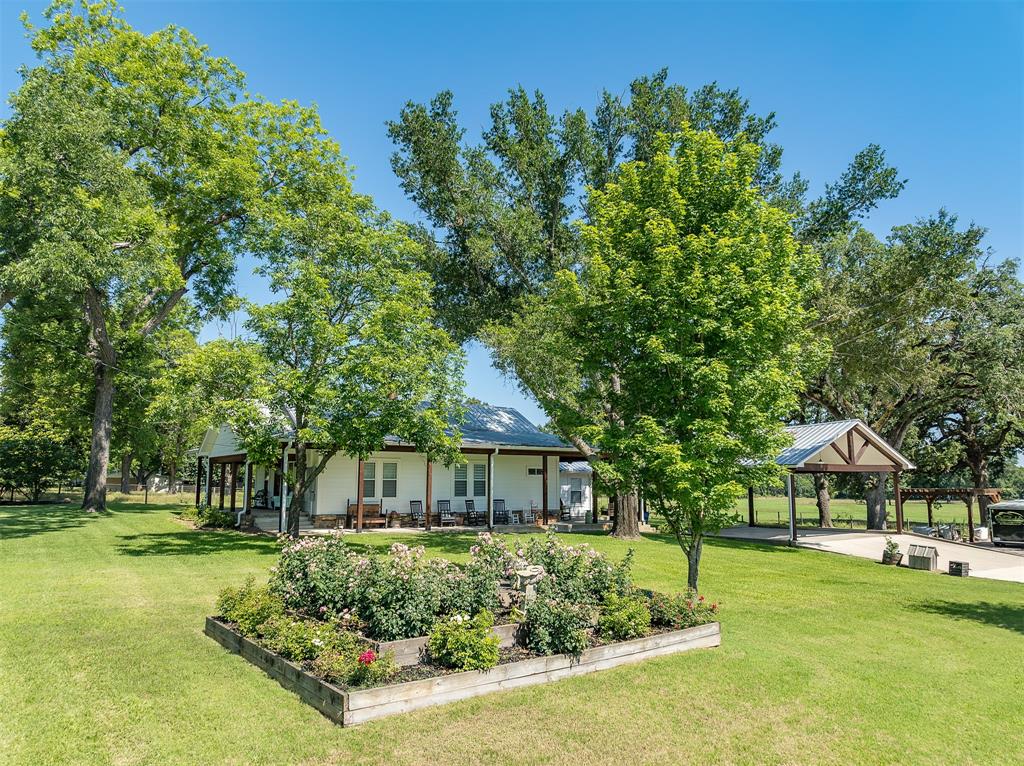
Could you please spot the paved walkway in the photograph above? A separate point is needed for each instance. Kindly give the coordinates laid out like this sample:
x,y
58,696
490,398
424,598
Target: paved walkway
x,y
987,562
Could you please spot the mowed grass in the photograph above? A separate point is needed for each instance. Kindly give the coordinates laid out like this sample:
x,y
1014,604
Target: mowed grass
x,y
825,659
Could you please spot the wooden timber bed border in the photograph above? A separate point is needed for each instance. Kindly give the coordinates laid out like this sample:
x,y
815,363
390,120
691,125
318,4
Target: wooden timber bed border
x,y
354,707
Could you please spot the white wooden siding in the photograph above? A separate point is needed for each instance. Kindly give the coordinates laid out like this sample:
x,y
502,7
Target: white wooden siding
x,y
336,485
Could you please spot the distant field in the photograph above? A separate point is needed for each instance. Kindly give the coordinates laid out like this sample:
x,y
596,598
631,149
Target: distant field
x,y
845,513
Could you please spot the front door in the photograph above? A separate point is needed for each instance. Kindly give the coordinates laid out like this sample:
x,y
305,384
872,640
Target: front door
x,y
310,499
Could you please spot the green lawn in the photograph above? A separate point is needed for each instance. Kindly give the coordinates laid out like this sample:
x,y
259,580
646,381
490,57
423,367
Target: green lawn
x,y
825,659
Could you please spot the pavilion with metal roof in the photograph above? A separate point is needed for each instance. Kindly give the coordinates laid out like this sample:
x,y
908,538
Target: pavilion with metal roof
x,y
841,446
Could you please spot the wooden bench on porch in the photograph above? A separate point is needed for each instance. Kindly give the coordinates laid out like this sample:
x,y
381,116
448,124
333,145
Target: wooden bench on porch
x,y
373,516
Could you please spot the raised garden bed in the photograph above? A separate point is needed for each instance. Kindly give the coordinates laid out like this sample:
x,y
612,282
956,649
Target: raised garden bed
x,y
353,707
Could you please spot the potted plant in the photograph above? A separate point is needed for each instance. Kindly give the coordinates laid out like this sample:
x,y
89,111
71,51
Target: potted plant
x,y
891,554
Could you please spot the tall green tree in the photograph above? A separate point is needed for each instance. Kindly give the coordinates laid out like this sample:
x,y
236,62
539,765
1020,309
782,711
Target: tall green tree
x,y
348,353
499,214
683,335
982,427
895,312
128,165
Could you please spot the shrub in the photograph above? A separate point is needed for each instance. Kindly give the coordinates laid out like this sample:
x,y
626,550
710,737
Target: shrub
x,y
318,576
464,643
398,596
467,590
297,639
249,607
353,664
624,617
208,517
553,626
681,610
577,573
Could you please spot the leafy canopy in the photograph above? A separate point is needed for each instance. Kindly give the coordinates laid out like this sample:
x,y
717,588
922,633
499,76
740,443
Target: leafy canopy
x,y
682,335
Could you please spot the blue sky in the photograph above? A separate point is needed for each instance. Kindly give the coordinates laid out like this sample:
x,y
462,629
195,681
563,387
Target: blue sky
x,y
939,85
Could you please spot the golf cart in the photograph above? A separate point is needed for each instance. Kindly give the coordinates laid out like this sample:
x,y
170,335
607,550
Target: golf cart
x,y
1006,520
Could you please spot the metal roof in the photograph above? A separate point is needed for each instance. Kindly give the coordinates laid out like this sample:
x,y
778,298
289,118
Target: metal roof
x,y
575,466
811,438
487,424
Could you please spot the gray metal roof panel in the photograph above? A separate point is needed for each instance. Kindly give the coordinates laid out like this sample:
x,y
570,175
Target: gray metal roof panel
x,y
811,438
575,466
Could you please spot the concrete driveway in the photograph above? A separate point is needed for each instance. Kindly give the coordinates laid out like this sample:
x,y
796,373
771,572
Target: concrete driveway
x,y
988,562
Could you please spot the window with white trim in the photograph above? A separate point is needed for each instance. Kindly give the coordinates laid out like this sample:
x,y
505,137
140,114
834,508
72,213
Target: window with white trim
x,y
369,479
479,480
575,491
461,480
389,480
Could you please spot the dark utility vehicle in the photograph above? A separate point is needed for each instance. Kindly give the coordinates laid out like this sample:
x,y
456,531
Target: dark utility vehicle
x,y
1006,521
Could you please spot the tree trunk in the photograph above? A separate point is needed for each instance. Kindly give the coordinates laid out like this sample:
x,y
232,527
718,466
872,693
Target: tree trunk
x,y
126,472
824,500
874,498
172,478
693,561
99,449
298,497
627,524
104,358
979,472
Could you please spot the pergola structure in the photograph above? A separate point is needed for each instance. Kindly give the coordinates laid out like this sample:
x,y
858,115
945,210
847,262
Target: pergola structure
x,y
967,495
843,446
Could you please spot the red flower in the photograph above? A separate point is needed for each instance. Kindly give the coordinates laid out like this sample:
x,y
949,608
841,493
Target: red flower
x,y
700,598
367,657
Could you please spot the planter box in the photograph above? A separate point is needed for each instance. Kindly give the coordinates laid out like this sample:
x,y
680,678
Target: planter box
x,y
349,708
409,651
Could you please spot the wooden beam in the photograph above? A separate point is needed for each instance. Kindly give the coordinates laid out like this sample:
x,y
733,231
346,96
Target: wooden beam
x,y
234,485
209,482
899,501
850,456
751,518
220,485
430,494
544,482
359,496
970,518
843,468
235,458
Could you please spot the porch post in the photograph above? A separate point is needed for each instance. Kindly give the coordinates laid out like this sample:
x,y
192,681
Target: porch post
x,y
234,484
593,499
247,488
970,518
223,473
751,518
899,501
490,490
430,493
791,497
928,501
209,481
281,520
199,476
544,473
359,496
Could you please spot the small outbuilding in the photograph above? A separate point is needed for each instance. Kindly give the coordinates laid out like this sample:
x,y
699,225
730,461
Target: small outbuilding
x,y
575,478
